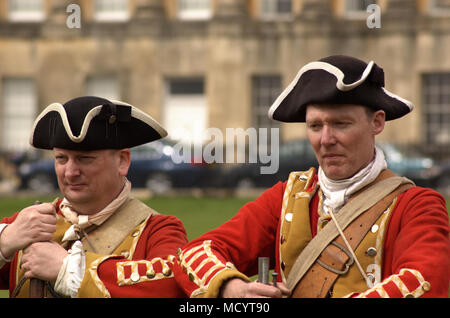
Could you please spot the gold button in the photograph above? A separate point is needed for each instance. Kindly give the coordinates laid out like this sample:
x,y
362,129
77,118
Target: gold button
x,y
125,254
167,271
409,296
150,273
371,251
135,233
135,277
426,286
112,119
288,217
374,228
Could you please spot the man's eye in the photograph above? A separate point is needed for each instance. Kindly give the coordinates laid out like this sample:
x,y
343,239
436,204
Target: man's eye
x,y
60,159
87,159
314,126
342,124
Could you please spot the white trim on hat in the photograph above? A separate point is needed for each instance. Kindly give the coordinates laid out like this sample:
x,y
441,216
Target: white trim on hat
x,y
62,113
326,67
136,113
405,101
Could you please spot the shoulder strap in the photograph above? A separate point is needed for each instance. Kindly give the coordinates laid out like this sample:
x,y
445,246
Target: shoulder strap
x,y
351,210
107,237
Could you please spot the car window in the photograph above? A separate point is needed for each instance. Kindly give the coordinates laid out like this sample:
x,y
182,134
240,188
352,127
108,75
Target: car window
x,y
292,149
310,150
147,151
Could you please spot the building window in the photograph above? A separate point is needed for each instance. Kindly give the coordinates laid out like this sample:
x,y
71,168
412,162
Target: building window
x,y
185,109
357,8
436,101
194,9
26,10
265,89
440,7
111,10
19,104
276,9
103,86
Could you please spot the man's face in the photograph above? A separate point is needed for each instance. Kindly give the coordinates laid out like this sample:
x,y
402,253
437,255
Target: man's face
x,y
343,137
90,180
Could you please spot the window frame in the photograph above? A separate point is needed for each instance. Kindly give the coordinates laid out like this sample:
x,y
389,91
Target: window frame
x,y
17,15
435,110
273,13
111,16
194,14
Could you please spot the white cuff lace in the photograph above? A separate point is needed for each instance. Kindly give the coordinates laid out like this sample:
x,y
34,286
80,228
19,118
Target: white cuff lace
x,y
72,271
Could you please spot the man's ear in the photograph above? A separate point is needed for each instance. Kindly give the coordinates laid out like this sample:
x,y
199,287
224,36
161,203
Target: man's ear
x,y
124,161
378,121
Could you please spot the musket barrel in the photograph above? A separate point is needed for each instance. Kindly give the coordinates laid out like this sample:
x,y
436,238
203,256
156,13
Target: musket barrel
x,y
263,270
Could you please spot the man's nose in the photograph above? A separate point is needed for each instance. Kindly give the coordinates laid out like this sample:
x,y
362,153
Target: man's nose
x,y
72,169
328,137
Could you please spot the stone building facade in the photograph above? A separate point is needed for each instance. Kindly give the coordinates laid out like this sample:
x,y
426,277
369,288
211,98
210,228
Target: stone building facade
x,y
194,64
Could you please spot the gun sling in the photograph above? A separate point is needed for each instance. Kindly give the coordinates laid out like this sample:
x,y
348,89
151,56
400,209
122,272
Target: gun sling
x,y
326,257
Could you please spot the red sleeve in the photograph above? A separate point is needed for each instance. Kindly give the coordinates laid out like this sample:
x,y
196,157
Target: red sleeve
x,y
417,248
422,240
251,233
153,261
5,270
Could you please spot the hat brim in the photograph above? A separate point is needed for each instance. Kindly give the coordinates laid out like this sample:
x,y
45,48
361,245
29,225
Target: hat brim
x,y
324,83
52,128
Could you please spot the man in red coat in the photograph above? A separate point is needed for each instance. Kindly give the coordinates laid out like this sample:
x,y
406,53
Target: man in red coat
x,y
350,229
97,241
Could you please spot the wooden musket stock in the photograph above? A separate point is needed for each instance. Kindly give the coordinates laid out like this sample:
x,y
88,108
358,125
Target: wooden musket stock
x,y
37,285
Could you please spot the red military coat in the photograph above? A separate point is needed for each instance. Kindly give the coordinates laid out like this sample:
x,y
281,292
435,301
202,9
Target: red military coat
x,y
141,266
416,246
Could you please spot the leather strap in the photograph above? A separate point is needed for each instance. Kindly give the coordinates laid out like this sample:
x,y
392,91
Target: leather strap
x,y
372,195
335,260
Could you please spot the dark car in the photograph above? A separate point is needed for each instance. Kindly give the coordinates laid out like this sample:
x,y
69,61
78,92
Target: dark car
x,y
412,165
151,167
298,155
443,182
295,155
38,175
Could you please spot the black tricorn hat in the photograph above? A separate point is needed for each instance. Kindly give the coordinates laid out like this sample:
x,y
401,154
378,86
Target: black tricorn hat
x,y
337,79
93,123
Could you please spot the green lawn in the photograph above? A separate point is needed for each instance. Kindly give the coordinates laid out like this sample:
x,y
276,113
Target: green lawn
x,y
198,214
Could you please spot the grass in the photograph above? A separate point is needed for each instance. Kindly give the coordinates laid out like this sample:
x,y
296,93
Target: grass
x,y
198,214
